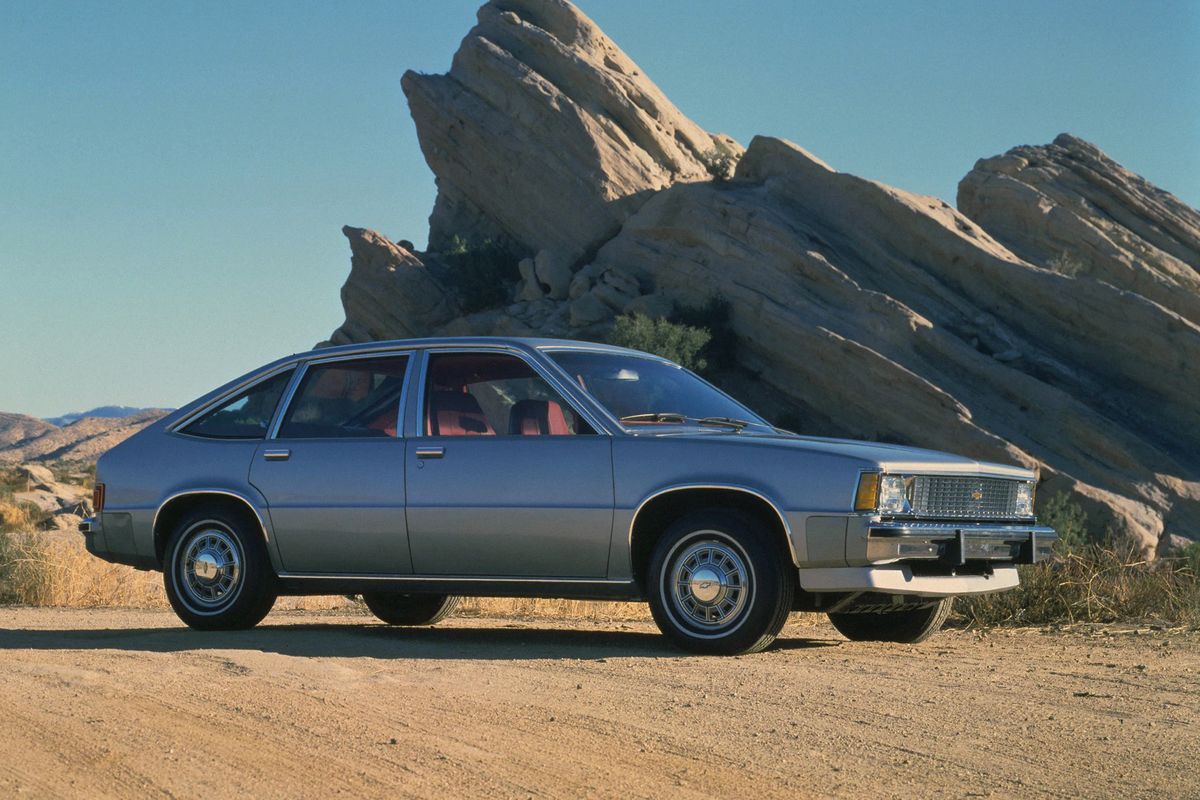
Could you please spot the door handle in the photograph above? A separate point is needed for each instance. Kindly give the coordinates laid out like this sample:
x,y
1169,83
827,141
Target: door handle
x,y
431,452
277,455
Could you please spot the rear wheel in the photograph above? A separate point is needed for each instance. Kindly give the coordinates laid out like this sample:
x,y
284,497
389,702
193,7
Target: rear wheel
x,y
910,625
410,609
718,584
217,573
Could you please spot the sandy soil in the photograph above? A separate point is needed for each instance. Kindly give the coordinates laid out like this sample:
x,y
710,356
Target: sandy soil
x,y
129,703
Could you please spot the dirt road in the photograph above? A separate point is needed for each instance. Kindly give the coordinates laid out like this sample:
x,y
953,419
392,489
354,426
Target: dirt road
x,y
128,703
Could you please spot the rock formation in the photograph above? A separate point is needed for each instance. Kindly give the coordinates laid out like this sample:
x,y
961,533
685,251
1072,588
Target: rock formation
x,y
1069,206
859,309
546,133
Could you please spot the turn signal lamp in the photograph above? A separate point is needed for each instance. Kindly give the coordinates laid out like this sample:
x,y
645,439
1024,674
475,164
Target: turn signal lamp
x,y
867,496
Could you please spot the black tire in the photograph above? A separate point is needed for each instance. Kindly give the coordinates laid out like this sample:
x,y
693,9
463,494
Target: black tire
x,y
909,626
735,549
410,609
227,544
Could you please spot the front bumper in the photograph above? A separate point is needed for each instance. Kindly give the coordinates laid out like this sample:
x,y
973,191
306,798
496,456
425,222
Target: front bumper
x,y
956,543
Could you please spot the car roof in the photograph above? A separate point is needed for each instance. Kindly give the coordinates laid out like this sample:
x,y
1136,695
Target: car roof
x,y
520,342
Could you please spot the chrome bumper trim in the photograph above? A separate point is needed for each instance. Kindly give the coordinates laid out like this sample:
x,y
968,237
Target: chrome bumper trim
x,y
88,526
899,579
957,543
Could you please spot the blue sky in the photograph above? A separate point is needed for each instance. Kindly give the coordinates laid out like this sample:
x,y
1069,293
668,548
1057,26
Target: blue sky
x,y
174,176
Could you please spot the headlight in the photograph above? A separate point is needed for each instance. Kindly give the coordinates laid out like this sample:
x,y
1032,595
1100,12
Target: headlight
x,y
893,495
1024,502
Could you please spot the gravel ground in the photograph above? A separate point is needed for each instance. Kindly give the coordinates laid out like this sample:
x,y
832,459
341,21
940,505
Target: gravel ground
x,y
129,703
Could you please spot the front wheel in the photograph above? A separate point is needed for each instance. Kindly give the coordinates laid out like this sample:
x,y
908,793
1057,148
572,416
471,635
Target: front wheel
x,y
217,573
410,609
907,625
718,584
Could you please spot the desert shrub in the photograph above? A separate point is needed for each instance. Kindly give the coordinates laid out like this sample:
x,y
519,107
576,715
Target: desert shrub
x,y
720,161
1069,520
483,274
1095,583
680,343
1066,264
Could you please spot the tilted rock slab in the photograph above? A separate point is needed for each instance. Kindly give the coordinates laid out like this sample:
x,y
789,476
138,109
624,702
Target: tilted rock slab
x,y
544,132
896,317
390,293
1069,203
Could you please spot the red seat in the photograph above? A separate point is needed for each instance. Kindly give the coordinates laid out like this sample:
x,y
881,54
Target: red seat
x,y
537,418
456,414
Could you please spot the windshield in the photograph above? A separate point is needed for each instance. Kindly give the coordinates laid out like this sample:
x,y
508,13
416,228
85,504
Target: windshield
x,y
639,390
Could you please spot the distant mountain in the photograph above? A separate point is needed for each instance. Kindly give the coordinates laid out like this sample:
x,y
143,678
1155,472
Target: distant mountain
x,y
83,438
103,412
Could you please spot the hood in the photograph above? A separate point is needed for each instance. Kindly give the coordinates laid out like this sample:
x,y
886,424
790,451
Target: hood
x,y
887,457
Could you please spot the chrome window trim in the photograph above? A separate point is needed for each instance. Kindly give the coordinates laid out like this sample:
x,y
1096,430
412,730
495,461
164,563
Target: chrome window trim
x,y
683,487
554,381
228,493
625,429
302,370
177,427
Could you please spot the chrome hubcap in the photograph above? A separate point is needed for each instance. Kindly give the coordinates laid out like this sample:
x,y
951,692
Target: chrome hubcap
x,y
212,567
709,583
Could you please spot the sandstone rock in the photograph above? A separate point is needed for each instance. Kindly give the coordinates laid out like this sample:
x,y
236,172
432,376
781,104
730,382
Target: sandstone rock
x,y
48,502
36,473
390,292
587,310
530,288
655,305
583,280
1068,206
554,272
545,132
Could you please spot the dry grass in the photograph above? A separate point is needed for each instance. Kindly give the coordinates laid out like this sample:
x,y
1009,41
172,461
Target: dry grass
x,y
599,611
1096,583
47,570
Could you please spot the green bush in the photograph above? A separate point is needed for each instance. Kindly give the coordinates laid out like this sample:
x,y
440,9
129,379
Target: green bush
x,y
1070,521
720,161
483,274
1066,264
680,343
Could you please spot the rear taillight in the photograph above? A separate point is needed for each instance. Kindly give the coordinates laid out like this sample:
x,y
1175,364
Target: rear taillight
x,y
98,498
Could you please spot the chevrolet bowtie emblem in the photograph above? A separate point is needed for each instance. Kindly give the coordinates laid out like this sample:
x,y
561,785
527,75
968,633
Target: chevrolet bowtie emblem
x,y
977,494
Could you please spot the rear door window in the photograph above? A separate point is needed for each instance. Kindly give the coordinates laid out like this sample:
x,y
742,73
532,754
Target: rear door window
x,y
355,398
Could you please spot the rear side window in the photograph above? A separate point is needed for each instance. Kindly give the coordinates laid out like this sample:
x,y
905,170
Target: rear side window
x,y
247,415
357,398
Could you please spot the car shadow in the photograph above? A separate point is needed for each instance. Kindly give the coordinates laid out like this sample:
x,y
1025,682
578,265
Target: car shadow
x,y
373,641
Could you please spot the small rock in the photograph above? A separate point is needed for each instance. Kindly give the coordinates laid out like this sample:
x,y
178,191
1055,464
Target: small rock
x,y
588,310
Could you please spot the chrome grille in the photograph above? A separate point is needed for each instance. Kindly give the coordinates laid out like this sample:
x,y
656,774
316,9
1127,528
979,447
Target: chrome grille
x,y
957,497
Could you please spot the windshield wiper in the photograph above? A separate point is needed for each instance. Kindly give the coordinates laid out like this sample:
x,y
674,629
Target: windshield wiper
x,y
676,417
729,422
656,416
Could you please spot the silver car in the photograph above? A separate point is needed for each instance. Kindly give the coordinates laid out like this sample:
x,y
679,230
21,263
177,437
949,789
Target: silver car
x,y
414,472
